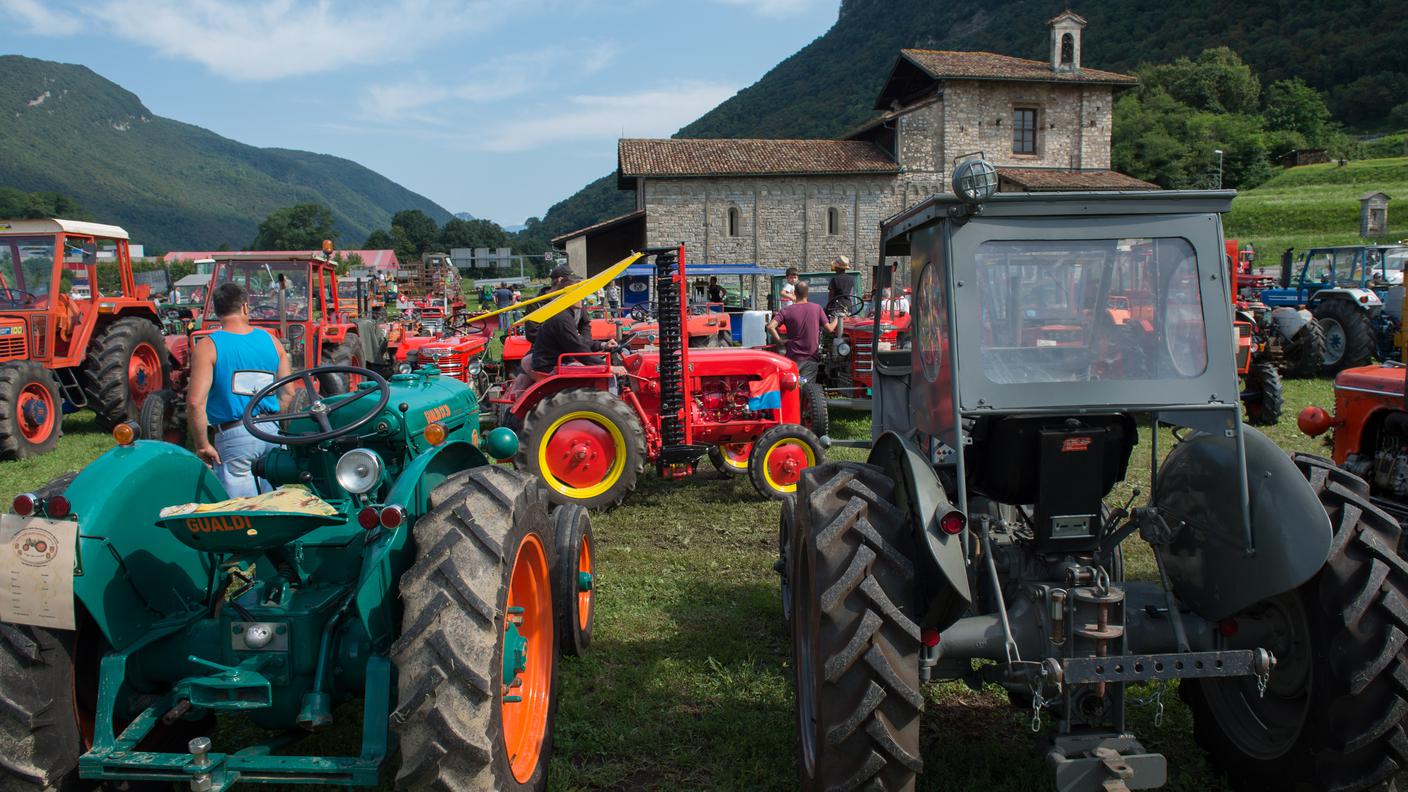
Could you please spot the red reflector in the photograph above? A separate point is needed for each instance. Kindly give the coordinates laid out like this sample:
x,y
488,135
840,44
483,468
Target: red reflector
x,y
368,517
1364,298
25,503
1228,627
787,380
57,507
953,523
929,637
392,516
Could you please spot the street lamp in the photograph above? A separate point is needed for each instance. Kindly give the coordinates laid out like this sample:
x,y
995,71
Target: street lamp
x,y
1218,152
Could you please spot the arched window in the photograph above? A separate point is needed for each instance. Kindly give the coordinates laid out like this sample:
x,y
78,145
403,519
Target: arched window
x,y
1068,49
733,221
833,221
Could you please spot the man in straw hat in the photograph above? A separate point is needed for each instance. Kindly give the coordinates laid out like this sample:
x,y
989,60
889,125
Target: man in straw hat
x,y
842,284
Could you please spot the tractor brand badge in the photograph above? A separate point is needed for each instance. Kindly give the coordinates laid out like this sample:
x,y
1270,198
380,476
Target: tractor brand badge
x,y
227,522
12,330
1071,444
437,414
35,546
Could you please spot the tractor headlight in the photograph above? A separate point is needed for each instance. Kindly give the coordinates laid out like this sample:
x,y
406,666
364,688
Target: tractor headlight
x,y
358,471
475,367
843,349
404,368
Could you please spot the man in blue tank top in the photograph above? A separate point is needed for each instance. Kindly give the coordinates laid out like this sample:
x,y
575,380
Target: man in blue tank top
x,y
225,372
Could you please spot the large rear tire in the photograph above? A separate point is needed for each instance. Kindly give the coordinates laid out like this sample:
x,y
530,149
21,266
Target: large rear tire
x,y
483,551
855,644
1306,352
586,445
31,416
1264,397
1349,336
1331,717
126,363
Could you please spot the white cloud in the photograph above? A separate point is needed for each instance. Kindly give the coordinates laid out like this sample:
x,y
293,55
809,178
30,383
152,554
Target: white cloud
x,y
774,8
273,39
40,18
652,113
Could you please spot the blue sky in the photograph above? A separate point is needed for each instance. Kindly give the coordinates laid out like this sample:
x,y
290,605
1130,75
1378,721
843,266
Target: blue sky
x,y
495,107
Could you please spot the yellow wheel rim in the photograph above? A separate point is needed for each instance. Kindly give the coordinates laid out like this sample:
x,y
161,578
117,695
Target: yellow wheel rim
x,y
735,456
784,462
582,454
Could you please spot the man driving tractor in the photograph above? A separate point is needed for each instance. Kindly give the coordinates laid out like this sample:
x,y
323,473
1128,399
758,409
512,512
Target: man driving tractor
x,y
224,373
567,332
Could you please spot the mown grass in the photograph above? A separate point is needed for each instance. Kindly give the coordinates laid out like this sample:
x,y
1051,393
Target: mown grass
x,y
1315,205
688,682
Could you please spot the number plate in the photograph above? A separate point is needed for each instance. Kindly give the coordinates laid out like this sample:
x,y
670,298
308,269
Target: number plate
x,y
36,571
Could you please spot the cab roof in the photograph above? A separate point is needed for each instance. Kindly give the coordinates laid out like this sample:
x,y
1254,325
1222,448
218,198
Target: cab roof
x,y
55,226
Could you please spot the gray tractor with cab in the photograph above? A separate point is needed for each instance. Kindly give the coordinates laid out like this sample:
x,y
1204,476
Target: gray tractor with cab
x,y
1052,334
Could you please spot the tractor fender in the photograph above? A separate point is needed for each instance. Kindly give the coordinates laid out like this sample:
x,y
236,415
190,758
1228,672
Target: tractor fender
x,y
1289,321
558,382
944,591
1198,497
132,573
391,554
333,334
1365,298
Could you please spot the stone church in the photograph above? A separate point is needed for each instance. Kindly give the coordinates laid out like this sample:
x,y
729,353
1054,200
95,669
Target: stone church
x,y
1045,125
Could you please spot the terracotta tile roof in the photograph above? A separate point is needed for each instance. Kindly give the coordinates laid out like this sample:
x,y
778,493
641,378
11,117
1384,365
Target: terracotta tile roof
x,y
948,65
694,157
594,227
1044,180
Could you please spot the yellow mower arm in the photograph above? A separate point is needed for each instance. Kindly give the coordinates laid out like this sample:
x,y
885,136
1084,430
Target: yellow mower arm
x,y
570,295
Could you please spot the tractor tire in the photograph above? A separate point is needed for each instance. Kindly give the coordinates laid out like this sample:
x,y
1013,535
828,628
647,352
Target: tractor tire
x,y
574,579
162,418
1332,714
855,644
589,422
1306,352
814,410
484,548
786,528
731,459
780,455
31,410
1349,336
347,353
1263,384
126,363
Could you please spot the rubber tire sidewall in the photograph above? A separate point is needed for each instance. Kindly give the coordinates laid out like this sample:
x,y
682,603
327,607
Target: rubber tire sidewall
x,y
816,415
570,524
765,441
104,371
547,411
1359,341
345,353
14,377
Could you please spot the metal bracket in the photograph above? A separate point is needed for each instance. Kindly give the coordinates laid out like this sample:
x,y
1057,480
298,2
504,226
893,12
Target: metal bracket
x,y
1178,665
1105,763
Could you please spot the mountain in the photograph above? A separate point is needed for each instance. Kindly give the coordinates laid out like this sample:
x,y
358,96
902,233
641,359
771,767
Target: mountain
x,y
463,216
1355,52
65,129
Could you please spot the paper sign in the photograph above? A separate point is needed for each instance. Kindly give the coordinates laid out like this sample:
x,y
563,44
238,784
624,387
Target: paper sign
x,y
36,571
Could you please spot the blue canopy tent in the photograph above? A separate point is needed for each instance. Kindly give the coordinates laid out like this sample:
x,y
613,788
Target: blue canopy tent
x,y
636,287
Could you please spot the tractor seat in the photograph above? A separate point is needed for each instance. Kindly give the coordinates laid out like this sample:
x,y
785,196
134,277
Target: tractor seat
x,y
250,525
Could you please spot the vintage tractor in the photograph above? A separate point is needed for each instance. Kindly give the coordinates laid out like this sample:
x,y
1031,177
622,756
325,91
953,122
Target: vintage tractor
x,y
62,341
394,567
978,531
588,434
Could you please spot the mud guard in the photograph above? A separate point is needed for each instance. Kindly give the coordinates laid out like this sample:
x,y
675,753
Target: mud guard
x,y
1208,563
944,590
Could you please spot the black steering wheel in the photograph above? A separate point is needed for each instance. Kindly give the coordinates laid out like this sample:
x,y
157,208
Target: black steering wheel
x,y
643,311
319,410
17,296
849,304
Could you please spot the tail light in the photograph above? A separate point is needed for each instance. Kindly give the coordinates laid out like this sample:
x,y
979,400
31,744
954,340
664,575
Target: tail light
x,y
953,523
25,504
368,517
393,517
929,637
57,507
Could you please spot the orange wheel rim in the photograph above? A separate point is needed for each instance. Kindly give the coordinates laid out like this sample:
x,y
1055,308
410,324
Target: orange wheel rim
x,y
527,659
585,583
35,412
143,372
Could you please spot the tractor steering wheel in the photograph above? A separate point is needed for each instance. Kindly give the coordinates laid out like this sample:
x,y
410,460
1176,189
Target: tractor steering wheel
x,y
319,410
643,311
16,296
849,304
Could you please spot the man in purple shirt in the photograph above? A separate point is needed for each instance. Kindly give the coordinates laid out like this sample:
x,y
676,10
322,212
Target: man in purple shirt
x,y
804,321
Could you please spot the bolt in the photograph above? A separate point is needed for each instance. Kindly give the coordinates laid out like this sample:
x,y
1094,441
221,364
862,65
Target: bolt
x,y
199,747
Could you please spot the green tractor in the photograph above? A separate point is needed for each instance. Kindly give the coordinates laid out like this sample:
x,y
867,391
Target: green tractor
x,y
395,569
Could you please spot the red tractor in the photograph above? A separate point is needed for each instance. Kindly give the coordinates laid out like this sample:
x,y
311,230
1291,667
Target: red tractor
x,y
65,339
588,434
1258,352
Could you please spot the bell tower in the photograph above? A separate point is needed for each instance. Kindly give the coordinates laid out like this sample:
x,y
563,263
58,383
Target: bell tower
x,y
1065,41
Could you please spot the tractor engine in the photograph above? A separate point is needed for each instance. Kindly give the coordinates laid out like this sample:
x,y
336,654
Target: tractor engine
x,y
1385,464
724,399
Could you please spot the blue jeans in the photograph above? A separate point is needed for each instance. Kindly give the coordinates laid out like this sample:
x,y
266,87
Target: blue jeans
x,y
238,449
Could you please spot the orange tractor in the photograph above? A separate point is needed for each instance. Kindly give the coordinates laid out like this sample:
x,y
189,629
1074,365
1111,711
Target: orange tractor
x,y
63,339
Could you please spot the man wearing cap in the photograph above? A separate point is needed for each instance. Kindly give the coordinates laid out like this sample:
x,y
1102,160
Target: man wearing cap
x,y
842,285
568,331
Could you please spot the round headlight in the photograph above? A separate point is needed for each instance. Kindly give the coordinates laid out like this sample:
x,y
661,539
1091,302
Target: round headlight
x,y
974,181
404,368
358,471
843,349
475,367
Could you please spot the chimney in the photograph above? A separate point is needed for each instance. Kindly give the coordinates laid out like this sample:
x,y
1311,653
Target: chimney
x,y
1065,41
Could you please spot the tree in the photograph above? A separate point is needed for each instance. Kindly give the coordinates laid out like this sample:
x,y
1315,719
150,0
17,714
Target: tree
x,y
347,261
18,204
379,239
1216,81
457,233
413,233
1293,106
300,227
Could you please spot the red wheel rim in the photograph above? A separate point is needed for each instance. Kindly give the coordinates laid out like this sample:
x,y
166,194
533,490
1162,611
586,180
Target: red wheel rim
x,y
785,463
584,593
526,700
736,454
581,453
143,372
36,413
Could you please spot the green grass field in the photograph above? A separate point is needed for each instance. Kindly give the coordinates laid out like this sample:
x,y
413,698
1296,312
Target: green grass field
x,y
1316,205
688,684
